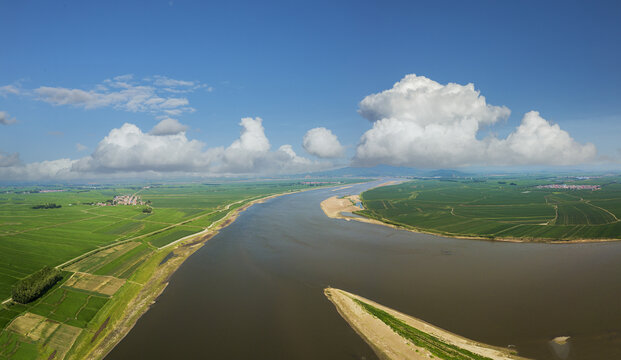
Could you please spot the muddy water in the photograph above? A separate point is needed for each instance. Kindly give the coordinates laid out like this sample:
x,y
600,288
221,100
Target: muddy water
x,y
255,290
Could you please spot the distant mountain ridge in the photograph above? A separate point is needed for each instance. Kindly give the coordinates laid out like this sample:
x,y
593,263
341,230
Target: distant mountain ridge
x,y
387,170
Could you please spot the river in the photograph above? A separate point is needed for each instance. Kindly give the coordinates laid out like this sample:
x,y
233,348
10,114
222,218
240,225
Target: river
x,y
255,291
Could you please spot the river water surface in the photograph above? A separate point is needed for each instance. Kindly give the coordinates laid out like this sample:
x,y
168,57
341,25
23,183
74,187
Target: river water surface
x,y
255,291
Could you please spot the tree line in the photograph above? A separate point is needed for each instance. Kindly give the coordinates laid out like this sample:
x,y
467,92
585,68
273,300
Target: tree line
x,y
35,285
47,206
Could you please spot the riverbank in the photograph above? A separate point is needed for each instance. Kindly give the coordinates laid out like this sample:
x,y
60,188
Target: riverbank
x,y
388,344
150,280
334,206
385,222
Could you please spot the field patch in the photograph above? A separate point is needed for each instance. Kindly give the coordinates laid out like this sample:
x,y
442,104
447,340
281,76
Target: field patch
x,y
124,265
493,209
123,228
100,258
168,236
27,323
581,213
62,340
73,307
32,336
106,285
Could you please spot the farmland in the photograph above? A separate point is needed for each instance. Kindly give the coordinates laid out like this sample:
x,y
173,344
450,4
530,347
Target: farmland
x,y
507,208
107,254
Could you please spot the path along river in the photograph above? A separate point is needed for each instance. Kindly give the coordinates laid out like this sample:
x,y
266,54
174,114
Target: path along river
x,y
255,291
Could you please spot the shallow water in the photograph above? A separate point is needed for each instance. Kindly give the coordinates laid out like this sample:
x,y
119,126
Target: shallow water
x,y
256,289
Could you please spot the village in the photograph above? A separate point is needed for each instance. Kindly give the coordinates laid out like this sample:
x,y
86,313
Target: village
x,y
570,187
123,200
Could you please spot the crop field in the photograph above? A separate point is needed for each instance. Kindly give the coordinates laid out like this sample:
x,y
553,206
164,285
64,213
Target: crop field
x,y
99,247
501,208
33,238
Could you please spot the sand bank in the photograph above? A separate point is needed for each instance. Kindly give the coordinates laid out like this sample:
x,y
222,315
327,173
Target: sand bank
x,y
387,344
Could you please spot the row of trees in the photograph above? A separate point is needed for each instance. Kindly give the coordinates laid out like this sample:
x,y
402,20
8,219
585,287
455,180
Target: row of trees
x,y
35,285
47,206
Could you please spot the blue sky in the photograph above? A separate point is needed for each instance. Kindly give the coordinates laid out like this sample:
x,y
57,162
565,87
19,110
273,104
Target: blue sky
x,y
301,65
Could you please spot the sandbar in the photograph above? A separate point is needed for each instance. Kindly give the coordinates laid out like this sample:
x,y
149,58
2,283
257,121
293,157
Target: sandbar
x,y
387,344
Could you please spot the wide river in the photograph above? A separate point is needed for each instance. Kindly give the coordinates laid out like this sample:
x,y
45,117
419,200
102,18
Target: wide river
x,y
255,291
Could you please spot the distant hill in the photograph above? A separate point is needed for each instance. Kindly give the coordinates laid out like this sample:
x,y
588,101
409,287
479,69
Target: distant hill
x,y
386,170
447,174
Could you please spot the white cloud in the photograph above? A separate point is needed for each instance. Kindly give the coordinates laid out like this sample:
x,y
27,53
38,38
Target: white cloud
x,y
124,93
8,159
168,82
322,143
243,153
5,119
423,101
79,147
9,89
44,170
130,152
168,126
537,141
250,154
422,123
129,149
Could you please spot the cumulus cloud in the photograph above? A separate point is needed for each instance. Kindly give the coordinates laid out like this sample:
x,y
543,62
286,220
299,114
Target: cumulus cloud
x,y
128,151
5,119
537,141
243,153
250,154
421,123
322,143
79,147
168,126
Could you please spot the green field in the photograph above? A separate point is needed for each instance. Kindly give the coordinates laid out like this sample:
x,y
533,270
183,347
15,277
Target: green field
x,y
121,244
501,208
32,238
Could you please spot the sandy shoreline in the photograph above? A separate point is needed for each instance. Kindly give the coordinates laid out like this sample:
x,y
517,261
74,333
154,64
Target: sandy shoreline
x,y
387,344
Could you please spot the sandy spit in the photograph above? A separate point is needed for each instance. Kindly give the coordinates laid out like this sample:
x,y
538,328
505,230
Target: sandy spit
x,y
387,344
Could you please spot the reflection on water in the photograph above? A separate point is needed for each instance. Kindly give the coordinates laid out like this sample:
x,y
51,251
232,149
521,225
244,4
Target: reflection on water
x,y
560,348
350,214
256,290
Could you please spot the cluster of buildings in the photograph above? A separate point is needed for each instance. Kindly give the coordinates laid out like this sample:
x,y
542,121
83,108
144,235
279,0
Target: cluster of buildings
x,y
123,200
570,187
127,200
315,183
